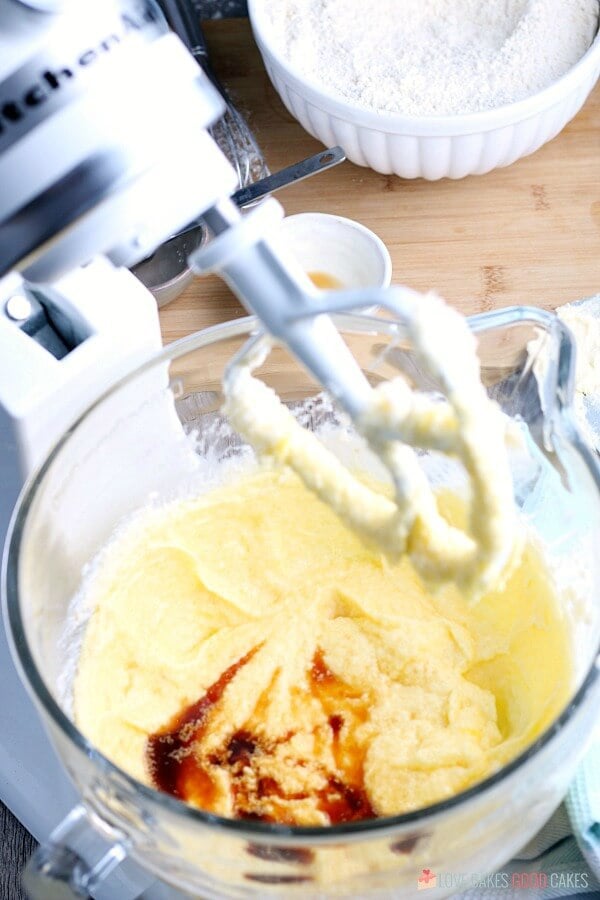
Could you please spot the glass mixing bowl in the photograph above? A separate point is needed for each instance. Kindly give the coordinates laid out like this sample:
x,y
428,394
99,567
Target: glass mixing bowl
x,y
153,437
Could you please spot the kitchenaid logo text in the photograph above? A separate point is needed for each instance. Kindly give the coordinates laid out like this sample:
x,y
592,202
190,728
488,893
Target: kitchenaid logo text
x,y
27,98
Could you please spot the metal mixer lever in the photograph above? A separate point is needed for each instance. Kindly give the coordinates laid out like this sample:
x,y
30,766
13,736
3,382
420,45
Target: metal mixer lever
x,y
40,313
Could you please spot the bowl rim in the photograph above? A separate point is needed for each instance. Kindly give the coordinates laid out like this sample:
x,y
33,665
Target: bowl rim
x,y
426,125
377,245
381,827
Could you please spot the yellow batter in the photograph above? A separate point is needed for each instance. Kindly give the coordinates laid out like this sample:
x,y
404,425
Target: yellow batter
x,y
322,682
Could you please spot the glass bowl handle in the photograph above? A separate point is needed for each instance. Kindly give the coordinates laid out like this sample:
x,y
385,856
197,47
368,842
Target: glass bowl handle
x,y
74,863
55,873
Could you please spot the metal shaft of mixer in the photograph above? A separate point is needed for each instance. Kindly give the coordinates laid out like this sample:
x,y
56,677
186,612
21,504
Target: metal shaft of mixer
x,y
270,283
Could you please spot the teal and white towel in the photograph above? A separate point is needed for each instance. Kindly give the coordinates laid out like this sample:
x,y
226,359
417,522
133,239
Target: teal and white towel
x,y
583,805
565,853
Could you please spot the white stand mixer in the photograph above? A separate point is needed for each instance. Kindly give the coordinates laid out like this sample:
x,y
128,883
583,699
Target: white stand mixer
x,y
102,139
88,127
104,154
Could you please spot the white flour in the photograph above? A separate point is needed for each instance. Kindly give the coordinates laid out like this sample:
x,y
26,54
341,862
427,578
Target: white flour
x,y
433,57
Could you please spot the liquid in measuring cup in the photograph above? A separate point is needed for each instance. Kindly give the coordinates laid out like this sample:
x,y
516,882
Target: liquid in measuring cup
x,y
325,282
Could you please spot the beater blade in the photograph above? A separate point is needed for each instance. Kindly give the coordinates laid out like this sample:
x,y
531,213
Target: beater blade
x,y
393,419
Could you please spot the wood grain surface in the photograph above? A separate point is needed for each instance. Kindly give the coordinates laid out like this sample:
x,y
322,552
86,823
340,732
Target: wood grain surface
x,y
16,846
527,234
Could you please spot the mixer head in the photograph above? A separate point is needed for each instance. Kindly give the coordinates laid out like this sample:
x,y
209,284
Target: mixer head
x,y
103,141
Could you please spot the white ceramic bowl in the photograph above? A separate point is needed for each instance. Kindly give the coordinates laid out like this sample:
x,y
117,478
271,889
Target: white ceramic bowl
x,y
429,147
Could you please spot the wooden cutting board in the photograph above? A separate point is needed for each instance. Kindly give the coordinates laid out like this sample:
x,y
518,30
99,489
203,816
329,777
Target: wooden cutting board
x,y
528,234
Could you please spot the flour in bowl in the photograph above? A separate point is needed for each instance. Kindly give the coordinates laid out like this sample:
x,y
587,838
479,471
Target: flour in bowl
x,y
432,57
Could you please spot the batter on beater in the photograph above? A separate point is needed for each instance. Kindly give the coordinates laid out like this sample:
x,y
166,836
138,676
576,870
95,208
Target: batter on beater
x,y
468,426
